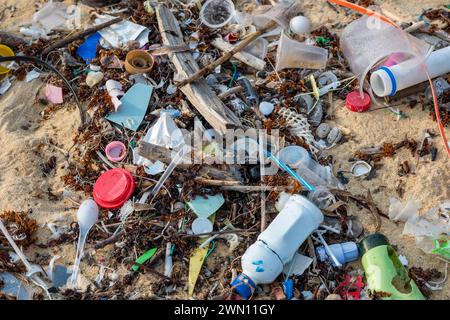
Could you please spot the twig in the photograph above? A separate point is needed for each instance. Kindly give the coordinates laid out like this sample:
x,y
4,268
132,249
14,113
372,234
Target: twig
x,y
110,240
79,35
217,232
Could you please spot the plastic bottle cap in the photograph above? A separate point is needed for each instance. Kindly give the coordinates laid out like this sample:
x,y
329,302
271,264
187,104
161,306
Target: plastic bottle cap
x,y
355,103
113,188
116,151
202,225
266,108
244,286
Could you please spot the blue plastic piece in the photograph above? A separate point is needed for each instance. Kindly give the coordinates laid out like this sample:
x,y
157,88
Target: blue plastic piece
x,y
392,77
134,107
243,286
288,288
88,49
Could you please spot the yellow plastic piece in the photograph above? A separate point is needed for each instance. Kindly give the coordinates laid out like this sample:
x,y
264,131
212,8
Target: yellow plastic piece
x,y
314,87
5,51
196,263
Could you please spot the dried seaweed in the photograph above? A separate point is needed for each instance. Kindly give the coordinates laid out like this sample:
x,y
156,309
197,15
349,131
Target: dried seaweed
x,y
20,226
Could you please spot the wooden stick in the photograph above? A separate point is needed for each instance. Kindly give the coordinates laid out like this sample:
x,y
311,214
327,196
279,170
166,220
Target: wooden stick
x,y
244,57
79,35
226,56
228,93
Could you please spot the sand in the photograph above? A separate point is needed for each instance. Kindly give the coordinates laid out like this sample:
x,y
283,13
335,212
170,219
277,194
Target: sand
x,y
28,142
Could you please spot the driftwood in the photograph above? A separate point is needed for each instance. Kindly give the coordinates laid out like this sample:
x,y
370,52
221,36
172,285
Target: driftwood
x,y
79,35
11,40
244,57
199,93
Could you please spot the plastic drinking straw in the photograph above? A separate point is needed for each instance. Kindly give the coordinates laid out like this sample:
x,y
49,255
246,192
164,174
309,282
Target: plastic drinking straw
x,y
175,162
286,168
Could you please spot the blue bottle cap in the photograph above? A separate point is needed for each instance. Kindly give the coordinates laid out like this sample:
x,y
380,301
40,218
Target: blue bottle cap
x,y
288,288
244,286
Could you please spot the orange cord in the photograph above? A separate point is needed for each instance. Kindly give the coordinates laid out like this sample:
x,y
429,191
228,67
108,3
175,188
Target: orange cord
x,y
369,12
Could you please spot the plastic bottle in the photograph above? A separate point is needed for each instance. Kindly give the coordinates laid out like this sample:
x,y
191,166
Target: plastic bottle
x,y
344,252
264,260
368,40
384,271
388,80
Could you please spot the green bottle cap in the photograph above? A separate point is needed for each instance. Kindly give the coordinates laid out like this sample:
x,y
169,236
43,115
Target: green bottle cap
x,y
372,241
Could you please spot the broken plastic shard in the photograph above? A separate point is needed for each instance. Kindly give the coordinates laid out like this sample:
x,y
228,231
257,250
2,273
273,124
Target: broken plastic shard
x,y
119,34
298,265
60,276
54,94
33,74
400,212
4,86
144,258
134,106
204,208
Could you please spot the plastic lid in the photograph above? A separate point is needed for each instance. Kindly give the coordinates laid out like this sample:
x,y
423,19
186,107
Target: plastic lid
x,y
113,188
244,286
202,225
355,103
372,241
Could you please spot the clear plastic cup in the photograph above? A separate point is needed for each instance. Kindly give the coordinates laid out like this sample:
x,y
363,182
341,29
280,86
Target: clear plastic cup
x,y
294,54
217,13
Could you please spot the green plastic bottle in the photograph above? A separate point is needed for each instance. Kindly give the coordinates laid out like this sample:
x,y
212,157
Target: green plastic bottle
x,y
385,273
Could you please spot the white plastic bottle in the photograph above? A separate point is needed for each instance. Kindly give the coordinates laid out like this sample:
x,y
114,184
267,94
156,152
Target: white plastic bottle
x,y
388,80
264,260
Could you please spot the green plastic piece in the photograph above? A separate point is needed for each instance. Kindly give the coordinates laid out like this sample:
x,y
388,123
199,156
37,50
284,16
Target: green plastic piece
x,y
144,258
322,41
442,248
386,274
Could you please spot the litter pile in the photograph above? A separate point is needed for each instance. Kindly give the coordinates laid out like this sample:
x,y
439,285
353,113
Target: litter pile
x,y
203,160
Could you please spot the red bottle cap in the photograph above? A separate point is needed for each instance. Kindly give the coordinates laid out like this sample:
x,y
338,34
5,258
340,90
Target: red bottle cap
x,y
355,103
113,188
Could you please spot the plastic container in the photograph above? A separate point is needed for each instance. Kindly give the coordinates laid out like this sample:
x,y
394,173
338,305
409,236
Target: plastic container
x,y
368,40
258,48
278,13
139,61
113,188
217,13
344,252
5,51
116,151
384,271
264,260
294,54
387,81
298,158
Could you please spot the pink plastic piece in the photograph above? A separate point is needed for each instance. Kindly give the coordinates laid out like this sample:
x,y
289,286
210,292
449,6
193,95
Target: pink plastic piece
x,y
116,151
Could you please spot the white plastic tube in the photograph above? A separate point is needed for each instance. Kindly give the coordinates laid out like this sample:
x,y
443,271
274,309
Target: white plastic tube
x,y
387,81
